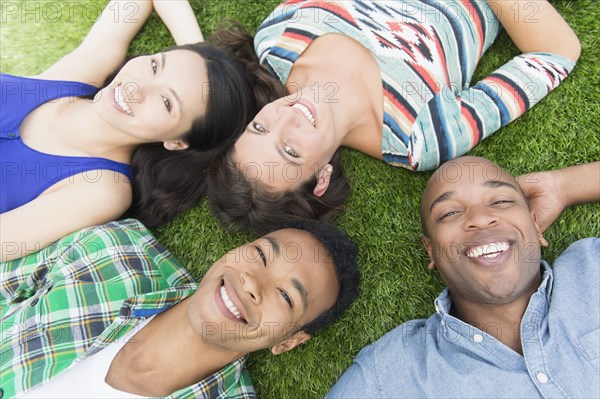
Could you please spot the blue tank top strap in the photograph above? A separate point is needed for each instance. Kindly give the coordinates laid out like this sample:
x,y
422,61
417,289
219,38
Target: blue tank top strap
x,y
21,95
95,164
26,172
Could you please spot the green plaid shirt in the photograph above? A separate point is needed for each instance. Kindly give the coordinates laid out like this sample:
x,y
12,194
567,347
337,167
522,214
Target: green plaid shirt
x,y
77,296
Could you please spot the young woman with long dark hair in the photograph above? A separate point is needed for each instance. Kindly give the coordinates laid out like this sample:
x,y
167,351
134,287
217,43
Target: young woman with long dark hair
x,y
77,152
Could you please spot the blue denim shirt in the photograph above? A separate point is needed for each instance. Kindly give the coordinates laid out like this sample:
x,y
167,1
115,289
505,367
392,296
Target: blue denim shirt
x,y
445,357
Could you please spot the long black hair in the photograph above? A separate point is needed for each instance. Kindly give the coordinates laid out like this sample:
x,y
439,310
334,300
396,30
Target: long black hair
x,y
166,183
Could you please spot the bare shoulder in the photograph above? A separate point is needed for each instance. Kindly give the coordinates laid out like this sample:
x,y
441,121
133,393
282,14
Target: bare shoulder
x,y
108,191
106,188
81,201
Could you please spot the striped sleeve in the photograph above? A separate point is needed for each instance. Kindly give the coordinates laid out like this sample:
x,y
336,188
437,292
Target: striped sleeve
x,y
452,123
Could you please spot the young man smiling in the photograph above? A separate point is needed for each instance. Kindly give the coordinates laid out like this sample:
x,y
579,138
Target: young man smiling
x,y
507,325
108,312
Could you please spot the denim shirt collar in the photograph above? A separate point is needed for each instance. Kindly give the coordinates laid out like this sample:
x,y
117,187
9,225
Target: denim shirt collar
x,y
475,339
443,303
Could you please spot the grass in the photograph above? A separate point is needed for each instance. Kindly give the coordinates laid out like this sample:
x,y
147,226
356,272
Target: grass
x,y
382,214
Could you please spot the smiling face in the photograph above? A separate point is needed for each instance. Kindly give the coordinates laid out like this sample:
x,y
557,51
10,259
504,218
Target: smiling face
x,y
289,141
481,235
259,295
156,98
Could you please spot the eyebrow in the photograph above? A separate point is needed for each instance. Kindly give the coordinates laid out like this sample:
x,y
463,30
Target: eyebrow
x,y
164,62
446,196
499,184
302,290
488,183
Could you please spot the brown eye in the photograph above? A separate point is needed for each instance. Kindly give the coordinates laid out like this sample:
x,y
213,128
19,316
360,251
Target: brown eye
x,y
154,66
448,214
258,127
290,151
286,297
167,103
261,255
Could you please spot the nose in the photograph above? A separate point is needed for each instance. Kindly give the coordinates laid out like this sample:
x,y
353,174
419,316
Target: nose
x,y
480,217
288,118
251,286
135,91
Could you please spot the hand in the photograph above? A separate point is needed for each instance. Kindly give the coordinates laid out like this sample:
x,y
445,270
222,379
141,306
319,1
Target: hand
x,y
544,196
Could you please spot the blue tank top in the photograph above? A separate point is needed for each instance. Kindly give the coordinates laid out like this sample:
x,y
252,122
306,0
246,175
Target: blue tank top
x,y
24,172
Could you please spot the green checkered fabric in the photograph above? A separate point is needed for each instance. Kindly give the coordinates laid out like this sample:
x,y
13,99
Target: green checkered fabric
x,y
74,298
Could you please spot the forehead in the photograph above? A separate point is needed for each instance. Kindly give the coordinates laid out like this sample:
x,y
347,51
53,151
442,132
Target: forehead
x,y
187,74
184,60
259,162
298,246
302,255
463,175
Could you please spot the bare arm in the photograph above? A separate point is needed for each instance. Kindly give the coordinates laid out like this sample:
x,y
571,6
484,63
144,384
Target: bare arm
x,y
80,203
105,46
179,17
535,26
549,193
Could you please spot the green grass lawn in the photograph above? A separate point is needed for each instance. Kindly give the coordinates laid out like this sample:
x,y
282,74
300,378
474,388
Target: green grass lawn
x,y
382,215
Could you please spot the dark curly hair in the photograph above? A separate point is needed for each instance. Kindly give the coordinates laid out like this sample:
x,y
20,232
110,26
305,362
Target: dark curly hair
x,y
344,254
241,204
166,183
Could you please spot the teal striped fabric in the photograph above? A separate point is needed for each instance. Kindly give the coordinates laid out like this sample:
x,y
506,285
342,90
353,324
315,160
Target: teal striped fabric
x,y
427,52
77,296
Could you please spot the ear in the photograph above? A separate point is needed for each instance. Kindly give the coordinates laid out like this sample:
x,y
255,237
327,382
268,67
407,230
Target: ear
x,y
543,241
429,249
291,342
323,180
176,145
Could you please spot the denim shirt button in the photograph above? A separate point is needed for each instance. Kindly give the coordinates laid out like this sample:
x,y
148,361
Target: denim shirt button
x,y
478,338
541,377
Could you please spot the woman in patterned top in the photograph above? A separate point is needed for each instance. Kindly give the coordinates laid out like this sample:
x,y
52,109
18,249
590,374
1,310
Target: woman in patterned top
x,y
338,60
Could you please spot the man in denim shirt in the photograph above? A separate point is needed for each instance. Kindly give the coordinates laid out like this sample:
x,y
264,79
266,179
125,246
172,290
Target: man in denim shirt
x,y
507,325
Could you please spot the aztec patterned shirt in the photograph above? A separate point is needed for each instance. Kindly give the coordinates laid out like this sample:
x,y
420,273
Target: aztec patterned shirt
x,y
75,297
427,51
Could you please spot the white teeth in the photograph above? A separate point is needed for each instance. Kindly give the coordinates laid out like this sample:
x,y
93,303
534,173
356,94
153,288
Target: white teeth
x,y
492,256
491,251
230,304
306,112
120,100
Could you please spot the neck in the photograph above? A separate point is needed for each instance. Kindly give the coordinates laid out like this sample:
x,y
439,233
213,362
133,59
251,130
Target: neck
x,y
186,358
502,321
81,128
324,73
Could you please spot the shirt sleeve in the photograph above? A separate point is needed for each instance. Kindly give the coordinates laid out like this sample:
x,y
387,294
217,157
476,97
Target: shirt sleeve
x,y
20,278
454,121
360,380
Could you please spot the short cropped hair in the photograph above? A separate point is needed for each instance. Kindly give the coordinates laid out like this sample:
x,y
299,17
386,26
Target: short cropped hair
x,y
343,253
